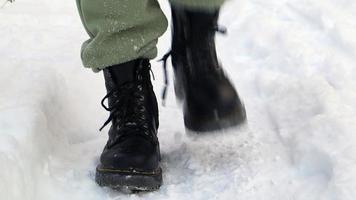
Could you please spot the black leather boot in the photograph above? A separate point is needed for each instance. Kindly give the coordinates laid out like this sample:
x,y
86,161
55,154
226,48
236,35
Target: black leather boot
x,y
210,101
130,159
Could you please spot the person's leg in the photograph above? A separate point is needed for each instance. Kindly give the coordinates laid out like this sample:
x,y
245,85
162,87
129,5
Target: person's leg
x,y
123,37
120,31
210,101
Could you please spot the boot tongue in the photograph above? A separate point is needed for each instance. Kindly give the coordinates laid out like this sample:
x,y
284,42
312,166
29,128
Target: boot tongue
x,y
124,73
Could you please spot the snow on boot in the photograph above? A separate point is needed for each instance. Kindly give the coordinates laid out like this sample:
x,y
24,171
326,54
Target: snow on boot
x,y
130,160
210,102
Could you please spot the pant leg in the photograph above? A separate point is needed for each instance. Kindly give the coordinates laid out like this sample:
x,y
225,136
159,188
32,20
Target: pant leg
x,y
120,31
199,4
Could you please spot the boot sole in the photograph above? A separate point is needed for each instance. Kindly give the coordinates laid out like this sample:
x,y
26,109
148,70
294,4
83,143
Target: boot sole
x,y
130,180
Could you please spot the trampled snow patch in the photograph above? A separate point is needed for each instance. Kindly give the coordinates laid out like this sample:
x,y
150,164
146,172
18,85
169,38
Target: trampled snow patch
x,y
293,62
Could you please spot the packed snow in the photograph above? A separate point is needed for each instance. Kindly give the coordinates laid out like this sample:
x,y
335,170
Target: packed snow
x,y
292,61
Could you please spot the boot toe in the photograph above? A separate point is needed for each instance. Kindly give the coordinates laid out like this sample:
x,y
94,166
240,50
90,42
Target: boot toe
x,y
212,107
131,155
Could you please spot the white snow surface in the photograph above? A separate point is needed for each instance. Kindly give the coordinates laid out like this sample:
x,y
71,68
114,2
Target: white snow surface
x,y
292,61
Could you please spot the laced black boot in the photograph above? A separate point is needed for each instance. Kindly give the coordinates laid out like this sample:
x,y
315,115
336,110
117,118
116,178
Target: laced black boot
x,y
130,159
210,101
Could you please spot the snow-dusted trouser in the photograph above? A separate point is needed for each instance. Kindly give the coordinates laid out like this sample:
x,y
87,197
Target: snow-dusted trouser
x,y
124,30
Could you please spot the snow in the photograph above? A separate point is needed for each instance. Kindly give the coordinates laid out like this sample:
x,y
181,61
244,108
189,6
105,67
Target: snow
x,y
293,62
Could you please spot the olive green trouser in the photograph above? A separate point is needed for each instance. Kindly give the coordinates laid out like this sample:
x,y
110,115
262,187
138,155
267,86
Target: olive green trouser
x,y
124,30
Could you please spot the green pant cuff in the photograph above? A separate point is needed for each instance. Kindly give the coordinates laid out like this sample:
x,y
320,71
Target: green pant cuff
x,y
98,63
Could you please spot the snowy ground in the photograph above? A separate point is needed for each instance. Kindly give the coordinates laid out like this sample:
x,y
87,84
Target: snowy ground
x,y
293,62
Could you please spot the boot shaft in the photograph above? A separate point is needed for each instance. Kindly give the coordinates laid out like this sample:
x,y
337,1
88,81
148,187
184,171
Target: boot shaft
x,y
193,37
129,89
194,25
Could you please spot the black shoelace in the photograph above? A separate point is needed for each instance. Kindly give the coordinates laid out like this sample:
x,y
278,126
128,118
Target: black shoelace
x,y
128,110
